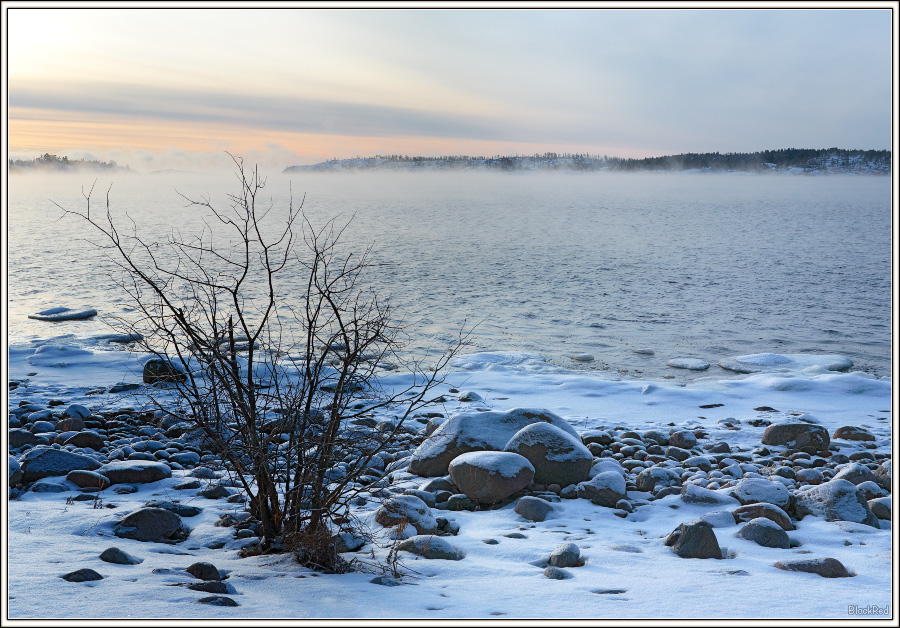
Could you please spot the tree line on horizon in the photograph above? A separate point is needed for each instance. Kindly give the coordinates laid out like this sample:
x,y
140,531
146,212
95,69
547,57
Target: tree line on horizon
x,y
54,162
803,159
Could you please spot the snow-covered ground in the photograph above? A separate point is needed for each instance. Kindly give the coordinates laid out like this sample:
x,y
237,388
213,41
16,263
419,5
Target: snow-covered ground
x,y
628,571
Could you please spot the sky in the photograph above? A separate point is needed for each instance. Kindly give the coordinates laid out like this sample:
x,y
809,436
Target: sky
x,y
159,87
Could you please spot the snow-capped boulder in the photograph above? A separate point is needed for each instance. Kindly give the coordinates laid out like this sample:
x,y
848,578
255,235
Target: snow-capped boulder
x,y
409,509
656,478
753,490
42,462
431,547
604,489
683,439
855,473
762,509
764,532
851,432
557,457
533,508
836,500
476,431
149,525
160,370
15,472
825,567
135,471
693,494
804,436
692,364
883,475
489,477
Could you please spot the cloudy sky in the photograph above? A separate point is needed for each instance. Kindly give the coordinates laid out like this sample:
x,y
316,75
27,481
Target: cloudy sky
x,y
158,88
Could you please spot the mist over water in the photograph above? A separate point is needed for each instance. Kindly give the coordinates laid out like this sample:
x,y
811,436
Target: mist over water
x,y
690,265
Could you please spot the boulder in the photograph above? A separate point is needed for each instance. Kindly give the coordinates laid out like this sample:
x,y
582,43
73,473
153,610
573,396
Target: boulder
x,y
881,507
604,489
557,456
753,490
855,473
533,508
88,479
19,437
204,571
82,575
164,371
77,411
836,500
15,472
825,567
431,547
762,509
135,471
91,440
42,462
116,556
883,475
406,509
476,431
555,573
696,539
656,478
566,555
804,436
149,524
182,510
683,439
489,477
850,432
72,424
764,532
693,494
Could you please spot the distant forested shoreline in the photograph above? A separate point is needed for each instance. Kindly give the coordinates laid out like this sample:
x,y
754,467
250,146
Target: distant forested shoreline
x,y
787,160
54,163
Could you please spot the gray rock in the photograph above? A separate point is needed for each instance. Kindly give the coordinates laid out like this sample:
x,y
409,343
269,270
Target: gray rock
x,y
182,510
212,586
753,490
217,600
215,492
19,437
883,475
47,485
82,575
604,489
825,567
533,508
409,509
42,462
693,494
652,479
557,456
77,411
204,571
431,547
764,532
136,471
762,509
881,507
836,500
555,573
683,439
804,436
88,479
476,431
15,472
850,432
599,437
855,473
347,542
489,477
566,555
88,439
118,557
149,524
74,424
186,458
696,539
159,370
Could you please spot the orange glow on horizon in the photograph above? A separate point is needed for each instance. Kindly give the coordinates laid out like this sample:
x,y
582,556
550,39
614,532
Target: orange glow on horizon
x,y
37,132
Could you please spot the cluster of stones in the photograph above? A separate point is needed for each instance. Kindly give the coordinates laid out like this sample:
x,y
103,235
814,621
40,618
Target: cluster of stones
x,y
484,460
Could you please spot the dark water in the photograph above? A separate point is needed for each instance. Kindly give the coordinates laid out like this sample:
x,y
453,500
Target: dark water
x,y
704,266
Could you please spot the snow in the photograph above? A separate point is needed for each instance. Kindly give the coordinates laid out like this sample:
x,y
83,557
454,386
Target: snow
x,y
762,362
628,571
58,314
